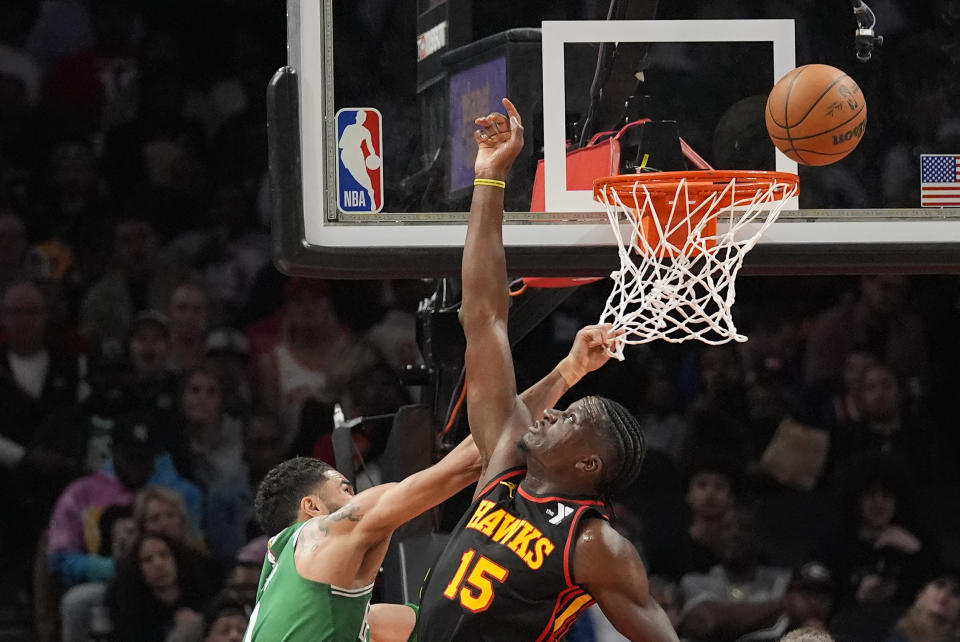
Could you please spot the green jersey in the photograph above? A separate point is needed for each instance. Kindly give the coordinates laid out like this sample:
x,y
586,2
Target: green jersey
x,y
291,608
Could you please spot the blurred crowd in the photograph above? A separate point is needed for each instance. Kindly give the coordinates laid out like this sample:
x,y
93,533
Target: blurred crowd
x,y
154,366
804,478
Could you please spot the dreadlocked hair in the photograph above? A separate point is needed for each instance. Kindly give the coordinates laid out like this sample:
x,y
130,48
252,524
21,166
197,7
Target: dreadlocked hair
x,y
279,494
622,431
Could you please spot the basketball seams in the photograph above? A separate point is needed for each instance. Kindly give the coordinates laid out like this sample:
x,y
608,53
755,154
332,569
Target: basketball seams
x,y
773,118
825,131
817,101
786,111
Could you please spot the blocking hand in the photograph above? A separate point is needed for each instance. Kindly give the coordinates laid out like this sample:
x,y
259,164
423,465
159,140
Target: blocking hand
x,y
592,347
498,142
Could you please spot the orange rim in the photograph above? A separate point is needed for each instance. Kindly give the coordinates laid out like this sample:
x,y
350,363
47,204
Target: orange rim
x,y
661,188
699,183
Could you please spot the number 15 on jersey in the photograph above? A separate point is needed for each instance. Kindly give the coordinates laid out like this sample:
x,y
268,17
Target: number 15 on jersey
x,y
476,591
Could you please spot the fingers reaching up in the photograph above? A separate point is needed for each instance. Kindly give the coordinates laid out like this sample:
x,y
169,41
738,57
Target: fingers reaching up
x,y
595,344
499,141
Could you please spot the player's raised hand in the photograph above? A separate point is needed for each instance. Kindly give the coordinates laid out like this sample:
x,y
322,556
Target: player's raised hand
x,y
592,347
499,141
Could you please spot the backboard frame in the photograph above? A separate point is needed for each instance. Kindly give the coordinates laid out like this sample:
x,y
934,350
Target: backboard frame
x,y
308,244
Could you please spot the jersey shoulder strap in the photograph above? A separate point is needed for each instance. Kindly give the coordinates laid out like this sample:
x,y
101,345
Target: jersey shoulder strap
x,y
508,481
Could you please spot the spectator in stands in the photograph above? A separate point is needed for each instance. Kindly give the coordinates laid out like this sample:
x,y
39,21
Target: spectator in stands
x,y
230,521
935,613
157,594
41,387
42,384
880,555
118,529
243,581
71,223
316,356
738,596
885,426
133,285
83,564
160,510
189,314
807,604
79,603
142,382
215,439
876,321
226,620
136,462
833,405
228,354
711,485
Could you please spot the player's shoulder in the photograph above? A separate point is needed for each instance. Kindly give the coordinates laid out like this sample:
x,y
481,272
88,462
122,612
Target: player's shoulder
x,y
598,535
599,548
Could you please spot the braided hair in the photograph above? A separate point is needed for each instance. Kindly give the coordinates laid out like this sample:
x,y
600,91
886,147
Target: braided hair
x,y
621,430
279,494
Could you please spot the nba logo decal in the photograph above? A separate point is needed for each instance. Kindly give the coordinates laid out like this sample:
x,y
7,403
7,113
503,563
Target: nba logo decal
x,y
359,160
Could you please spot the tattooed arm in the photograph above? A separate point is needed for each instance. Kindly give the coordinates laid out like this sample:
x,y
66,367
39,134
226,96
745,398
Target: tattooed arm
x,y
375,513
322,526
346,548
419,492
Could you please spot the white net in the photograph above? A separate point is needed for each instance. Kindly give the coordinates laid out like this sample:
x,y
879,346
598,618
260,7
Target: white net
x,y
679,264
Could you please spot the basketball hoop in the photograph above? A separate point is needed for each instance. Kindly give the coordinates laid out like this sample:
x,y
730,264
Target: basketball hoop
x,y
689,233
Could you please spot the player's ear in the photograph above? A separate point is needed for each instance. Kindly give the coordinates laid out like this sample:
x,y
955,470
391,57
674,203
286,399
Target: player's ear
x,y
591,464
313,506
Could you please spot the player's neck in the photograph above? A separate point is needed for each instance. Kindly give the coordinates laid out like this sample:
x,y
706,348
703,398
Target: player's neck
x,y
540,481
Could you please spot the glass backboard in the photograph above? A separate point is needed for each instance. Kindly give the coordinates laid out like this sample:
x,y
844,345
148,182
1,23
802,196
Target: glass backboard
x,y
371,128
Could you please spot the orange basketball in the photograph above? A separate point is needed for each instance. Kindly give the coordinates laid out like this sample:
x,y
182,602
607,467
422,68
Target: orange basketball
x,y
816,114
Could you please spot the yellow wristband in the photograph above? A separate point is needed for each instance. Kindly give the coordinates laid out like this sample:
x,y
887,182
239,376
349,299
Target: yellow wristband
x,y
571,372
492,182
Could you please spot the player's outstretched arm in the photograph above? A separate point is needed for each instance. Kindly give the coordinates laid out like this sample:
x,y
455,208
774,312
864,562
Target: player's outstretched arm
x,y
588,353
608,566
393,504
492,401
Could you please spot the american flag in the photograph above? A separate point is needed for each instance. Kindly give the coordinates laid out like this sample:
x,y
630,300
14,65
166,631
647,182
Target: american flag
x,y
940,180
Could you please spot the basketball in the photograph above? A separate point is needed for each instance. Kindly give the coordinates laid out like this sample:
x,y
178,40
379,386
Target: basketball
x,y
373,162
816,115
